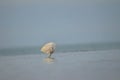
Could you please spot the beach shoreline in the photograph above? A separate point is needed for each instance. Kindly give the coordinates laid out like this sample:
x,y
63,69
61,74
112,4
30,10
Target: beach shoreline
x,y
91,65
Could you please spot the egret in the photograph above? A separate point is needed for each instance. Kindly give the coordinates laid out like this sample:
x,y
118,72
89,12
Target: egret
x,y
48,48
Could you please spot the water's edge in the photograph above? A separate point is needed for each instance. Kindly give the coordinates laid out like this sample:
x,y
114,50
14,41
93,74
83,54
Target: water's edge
x,y
60,48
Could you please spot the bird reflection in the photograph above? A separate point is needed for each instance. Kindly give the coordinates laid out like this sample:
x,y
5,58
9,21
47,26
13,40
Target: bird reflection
x,y
49,60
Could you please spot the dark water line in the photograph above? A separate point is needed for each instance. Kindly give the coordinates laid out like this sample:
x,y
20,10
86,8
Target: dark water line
x,y
59,49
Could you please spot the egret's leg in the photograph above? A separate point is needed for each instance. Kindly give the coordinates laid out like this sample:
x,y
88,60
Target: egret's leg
x,y
49,56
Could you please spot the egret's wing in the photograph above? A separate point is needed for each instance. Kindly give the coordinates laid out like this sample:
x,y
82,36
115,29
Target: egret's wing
x,y
48,48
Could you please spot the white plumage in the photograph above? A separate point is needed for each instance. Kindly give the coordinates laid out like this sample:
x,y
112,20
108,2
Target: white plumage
x,y
48,48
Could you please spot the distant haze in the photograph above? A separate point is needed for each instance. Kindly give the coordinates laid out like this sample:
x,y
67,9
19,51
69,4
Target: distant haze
x,y
24,23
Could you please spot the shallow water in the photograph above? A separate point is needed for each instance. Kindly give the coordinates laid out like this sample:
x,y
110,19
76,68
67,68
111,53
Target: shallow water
x,y
93,65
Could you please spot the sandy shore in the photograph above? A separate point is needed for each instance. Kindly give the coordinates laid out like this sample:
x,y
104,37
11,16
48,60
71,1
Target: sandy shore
x,y
94,65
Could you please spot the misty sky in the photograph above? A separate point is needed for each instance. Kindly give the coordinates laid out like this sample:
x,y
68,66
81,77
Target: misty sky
x,y
24,23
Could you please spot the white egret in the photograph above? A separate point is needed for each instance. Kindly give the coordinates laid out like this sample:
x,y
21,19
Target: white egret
x,y
48,48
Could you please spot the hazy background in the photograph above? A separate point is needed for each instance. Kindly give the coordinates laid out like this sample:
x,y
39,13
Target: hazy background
x,y
34,22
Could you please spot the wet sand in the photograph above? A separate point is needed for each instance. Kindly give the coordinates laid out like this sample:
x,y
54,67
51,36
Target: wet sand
x,y
93,65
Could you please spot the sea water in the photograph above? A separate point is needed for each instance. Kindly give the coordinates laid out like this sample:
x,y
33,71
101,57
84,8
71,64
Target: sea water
x,y
79,62
60,48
